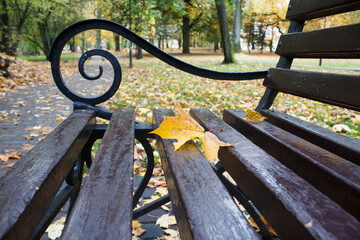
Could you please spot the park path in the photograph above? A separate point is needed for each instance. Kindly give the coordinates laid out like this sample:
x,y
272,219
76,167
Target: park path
x,y
27,115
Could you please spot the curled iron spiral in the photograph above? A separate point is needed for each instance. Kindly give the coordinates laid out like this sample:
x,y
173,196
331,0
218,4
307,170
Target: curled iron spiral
x,y
81,26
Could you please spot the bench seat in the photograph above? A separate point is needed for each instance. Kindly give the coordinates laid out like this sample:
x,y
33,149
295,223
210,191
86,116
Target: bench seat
x,y
103,209
29,187
202,206
295,208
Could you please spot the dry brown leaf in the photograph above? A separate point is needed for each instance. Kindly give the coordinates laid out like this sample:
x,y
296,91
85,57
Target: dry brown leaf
x,y
8,166
13,155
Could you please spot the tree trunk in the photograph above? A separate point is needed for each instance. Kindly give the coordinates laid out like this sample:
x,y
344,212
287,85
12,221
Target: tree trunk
x,y
271,40
224,29
216,46
73,47
186,34
98,31
5,29
139,53
159,42
117,42
44,38
237,27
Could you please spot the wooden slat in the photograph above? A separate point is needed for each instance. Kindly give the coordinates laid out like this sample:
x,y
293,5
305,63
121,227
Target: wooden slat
x,y
293,207
103,209
337,42
338,144
301,10
309,161
203,207
336,89
27,190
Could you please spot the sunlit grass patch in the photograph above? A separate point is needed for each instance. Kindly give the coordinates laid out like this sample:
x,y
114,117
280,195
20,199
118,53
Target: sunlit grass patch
x,y
154,84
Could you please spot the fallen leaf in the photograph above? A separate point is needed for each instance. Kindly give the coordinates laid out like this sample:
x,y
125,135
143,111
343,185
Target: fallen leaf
x,y
27,147
55,229
13,155
136,228
172,233
341,128
184,128
8,165
253,116
162,190
165,208
138,232
136,224
165,220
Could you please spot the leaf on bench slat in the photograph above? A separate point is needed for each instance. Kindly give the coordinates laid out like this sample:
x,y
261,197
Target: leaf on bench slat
x,y
253,116
184,128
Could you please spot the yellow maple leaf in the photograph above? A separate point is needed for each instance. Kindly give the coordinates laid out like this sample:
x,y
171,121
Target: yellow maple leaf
x,y
253,116
184,128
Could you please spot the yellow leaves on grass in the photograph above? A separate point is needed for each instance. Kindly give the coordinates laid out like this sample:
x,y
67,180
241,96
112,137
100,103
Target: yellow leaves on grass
x,y
253,116
184,128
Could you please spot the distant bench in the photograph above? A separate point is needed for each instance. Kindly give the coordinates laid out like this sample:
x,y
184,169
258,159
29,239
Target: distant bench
x,y
303,179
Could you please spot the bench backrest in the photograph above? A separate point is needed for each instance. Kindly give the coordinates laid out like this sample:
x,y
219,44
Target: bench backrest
x,y
336,42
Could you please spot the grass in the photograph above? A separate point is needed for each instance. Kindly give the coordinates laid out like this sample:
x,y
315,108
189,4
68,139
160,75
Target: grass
x,y
154,84
66,56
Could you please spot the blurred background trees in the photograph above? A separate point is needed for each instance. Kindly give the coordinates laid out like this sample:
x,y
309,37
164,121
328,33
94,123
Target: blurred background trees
x,y
28,27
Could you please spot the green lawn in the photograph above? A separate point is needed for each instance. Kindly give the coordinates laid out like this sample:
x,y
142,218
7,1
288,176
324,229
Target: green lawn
x,y
154,84
66,56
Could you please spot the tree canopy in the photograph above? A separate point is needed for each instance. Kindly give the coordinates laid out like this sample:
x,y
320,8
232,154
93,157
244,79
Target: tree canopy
x,y
30,26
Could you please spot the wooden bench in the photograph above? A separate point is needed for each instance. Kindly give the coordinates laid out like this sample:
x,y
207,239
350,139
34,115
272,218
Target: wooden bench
x,y
304,179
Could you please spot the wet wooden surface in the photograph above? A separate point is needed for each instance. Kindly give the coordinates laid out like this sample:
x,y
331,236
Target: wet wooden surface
x,y
30,185
202,206
103,209
336,42
334,176
301,10
338,144
294,208
336,89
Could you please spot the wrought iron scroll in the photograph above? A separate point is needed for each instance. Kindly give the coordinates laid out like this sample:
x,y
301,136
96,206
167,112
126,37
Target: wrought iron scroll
x,y
81,26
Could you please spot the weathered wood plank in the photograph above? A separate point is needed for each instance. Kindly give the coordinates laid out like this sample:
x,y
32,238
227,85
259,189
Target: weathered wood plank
x,y
309,161
338,144
27,190
336,42
293,207
336,89
103,209
203,207
301,10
